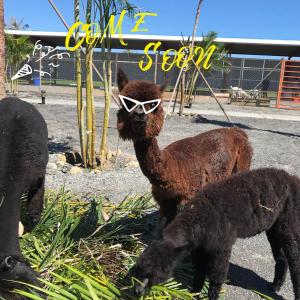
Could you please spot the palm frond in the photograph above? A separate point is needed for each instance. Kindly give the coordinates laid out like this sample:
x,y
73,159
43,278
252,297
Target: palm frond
x,y
92,267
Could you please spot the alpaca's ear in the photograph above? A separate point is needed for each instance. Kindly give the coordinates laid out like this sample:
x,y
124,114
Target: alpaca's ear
x,y
163,86
122,79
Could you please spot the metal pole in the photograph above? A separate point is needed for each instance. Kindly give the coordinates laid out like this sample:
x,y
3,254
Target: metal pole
x,y
155,67
40,70
82,49
116,70
267,76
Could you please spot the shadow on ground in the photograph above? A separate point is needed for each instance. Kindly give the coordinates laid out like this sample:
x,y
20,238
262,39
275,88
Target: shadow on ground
x,y
200,119
249,280
58,147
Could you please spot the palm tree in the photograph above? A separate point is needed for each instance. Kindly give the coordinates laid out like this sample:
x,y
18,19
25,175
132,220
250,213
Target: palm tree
x,y
183,78
2,51
219,61
17,49
106,9
101,10
14,24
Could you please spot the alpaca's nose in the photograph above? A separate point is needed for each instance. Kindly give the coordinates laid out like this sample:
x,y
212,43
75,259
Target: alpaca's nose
x,y
139,110
138,117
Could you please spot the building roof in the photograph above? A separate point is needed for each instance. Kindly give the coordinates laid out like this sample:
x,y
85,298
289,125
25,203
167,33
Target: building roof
x,y
284,48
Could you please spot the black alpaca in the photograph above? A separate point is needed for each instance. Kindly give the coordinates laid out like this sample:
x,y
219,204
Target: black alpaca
x,y
24,156
242,206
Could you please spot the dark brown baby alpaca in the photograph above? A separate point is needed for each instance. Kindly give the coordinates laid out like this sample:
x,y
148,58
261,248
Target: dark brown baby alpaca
x,y
180,170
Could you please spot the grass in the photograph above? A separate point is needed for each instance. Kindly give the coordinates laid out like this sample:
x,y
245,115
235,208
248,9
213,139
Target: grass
x,y
84,249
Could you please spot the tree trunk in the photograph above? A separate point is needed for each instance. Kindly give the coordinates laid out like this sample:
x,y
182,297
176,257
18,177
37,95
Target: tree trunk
x,y
90,114
184,98
182,93
107,81
107,73
80,108
2,52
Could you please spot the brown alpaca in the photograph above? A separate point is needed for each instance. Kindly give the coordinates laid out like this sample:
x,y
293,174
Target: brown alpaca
x,y
180,170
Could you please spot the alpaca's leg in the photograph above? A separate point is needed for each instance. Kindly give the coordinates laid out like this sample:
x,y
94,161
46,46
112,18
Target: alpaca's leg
x,y
243,159
34,207
199,259
281,264
291,249
217,272
168,211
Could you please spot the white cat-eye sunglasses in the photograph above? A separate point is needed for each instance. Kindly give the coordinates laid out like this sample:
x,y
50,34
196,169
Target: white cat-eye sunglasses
x,y
131,104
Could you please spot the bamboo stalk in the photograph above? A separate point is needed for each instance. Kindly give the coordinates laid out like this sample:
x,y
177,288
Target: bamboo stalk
x,y
182,93
90,113
107,74
80,107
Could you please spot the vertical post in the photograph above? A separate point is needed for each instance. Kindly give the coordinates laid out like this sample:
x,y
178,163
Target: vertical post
x,y
242,71
280,83
263,70
55,69
40,69
182,93
155,68
116,70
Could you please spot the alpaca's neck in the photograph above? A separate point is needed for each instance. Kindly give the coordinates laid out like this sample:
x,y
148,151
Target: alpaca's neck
x,y
151,159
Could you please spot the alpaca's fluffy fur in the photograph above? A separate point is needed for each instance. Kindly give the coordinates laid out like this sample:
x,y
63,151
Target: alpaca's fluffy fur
x,y
242,206
180,170
24,157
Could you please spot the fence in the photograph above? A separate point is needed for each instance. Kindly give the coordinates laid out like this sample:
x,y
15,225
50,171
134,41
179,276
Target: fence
x,y
245,73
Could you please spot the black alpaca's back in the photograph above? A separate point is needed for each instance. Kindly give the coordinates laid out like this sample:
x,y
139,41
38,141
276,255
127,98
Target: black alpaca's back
x,y
24,155
242,206
23,161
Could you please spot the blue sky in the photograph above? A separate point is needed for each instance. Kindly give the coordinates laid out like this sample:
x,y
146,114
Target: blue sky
x,y
269,19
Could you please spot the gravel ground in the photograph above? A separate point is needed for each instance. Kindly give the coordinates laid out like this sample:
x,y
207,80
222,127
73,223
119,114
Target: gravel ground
x,y
276,143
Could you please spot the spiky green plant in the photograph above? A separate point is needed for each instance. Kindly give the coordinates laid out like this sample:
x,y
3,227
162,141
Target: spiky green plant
x,y
83,248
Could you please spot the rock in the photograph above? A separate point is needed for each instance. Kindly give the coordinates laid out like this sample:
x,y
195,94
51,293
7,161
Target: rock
x,y
75,170
109,155
61,158
60,163
133,164
66,168
52,166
